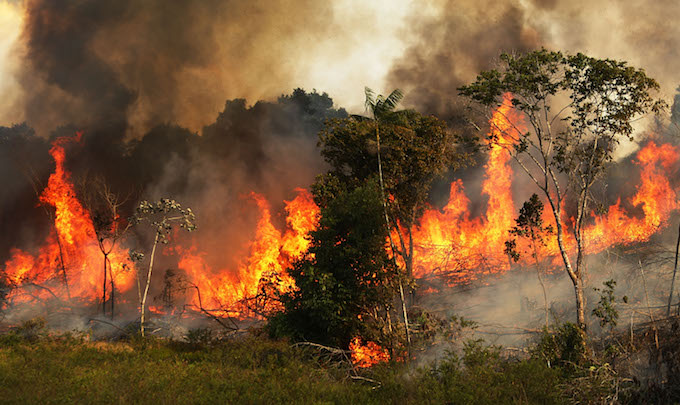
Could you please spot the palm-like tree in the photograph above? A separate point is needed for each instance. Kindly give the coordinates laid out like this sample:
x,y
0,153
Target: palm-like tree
x,y
383,110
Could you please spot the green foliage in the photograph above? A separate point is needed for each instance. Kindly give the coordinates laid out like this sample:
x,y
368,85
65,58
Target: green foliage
x,y
577,138
565,347
482,376
253,370
344,278
529,224
606,307
162,372
415,150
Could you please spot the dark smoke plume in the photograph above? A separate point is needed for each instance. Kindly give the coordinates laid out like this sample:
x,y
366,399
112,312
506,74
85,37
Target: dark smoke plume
x,y
451,45
134,64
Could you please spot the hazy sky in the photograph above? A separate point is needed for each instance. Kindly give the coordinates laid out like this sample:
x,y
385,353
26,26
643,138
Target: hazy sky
x,y
179,61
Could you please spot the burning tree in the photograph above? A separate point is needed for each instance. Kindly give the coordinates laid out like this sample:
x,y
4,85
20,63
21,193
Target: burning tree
x,y
109,227
578,108
410,151
161,215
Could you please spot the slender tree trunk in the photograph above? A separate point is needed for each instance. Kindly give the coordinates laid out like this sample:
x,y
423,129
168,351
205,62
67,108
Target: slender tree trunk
x,y
580,305
389,233
63,267
580,296
675,270
113,288
403,307
104,288
575,276
148,282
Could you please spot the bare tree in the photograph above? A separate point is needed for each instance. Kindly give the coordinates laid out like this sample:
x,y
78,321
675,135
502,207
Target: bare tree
x,y
104,207
162,216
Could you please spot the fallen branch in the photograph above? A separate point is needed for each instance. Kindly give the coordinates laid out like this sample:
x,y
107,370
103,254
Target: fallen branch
x,y
111,324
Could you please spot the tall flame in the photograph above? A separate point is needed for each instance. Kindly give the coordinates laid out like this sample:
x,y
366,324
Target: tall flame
x,y
271,252
69,263
449,242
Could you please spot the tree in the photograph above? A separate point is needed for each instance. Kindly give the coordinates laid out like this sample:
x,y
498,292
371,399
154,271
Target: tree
x,y
104,206
530,226
161,215
346,280
410,151
577,109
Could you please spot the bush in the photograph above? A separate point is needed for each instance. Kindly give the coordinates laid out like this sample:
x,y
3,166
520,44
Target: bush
x,y
565,348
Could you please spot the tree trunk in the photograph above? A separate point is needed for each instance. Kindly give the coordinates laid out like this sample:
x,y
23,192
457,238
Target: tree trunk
x,y
403,307
675,270
575,276
580,305
104,288
389,234
148,283
113,288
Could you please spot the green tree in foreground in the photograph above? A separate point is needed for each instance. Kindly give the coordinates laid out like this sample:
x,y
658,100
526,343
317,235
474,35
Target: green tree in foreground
x,y
577,109
345,280
161,216
414,151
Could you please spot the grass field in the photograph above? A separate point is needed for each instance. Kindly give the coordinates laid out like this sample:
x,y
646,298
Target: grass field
x,y
72,369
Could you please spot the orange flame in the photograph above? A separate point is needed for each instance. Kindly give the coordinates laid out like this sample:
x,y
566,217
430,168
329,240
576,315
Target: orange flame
x,y
270,253
460,249
70,248
450,243
367,355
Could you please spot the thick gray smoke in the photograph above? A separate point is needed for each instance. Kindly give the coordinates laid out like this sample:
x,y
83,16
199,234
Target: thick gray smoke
x,y
144,63
451,44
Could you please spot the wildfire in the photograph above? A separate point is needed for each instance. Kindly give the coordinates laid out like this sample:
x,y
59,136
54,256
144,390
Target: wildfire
x,y
367,355
68,263
271,252
452,244
449,243
460,249
654,195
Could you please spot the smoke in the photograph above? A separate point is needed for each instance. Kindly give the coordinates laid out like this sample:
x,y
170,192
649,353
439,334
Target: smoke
x,y
10,28
454,40
135,64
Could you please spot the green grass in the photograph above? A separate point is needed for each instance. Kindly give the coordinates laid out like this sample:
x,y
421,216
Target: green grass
x,y
61,370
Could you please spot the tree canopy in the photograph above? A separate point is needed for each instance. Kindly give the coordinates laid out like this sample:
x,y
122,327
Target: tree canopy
x,y
576,109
